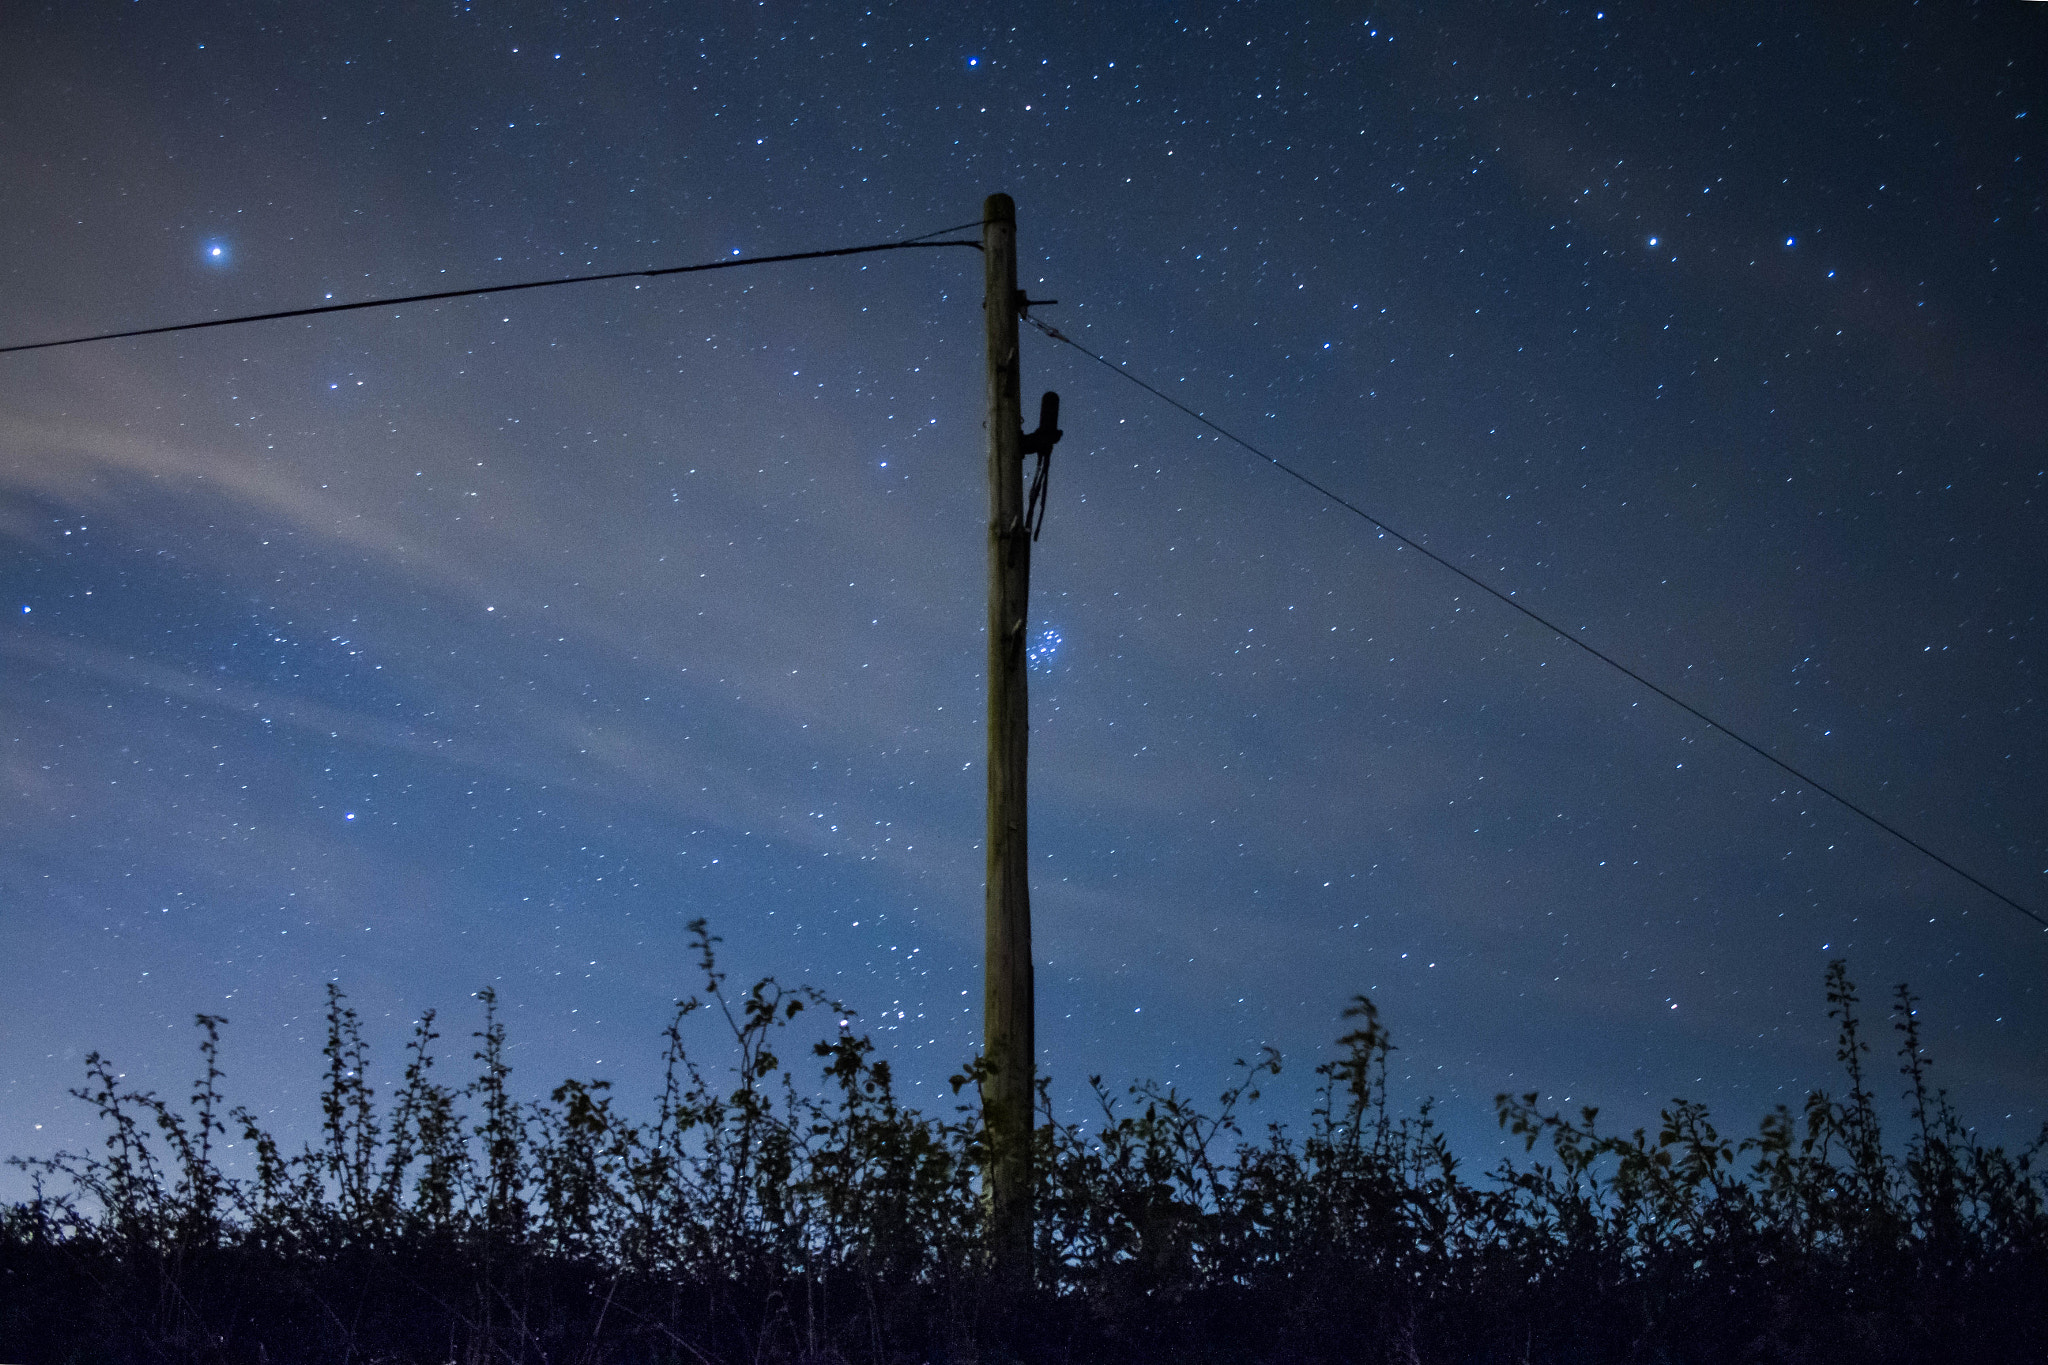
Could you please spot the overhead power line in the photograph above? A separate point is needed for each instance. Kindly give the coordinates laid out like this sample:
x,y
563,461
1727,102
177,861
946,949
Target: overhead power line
x,y
1548,625
909,243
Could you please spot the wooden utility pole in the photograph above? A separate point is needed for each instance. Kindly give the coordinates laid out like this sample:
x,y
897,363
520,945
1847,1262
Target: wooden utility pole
x,y
1009,1047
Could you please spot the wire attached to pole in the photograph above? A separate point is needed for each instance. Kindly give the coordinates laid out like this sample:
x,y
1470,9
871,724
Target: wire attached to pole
x,y
908,244
1608,659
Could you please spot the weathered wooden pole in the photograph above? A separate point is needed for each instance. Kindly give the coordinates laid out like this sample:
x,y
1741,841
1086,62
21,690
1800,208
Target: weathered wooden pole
x,y
1008,1044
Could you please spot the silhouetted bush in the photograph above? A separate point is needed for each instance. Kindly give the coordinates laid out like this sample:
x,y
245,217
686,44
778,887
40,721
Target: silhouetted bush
x,y
758,1217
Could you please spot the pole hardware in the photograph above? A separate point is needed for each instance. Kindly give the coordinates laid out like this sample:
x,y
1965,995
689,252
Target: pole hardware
x,y
1040,443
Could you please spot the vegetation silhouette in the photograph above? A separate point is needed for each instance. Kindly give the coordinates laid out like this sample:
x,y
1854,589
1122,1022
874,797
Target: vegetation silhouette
x,y
757,1217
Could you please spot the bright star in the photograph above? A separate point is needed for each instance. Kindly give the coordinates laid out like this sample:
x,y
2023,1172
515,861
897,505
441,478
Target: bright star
x,y
214,253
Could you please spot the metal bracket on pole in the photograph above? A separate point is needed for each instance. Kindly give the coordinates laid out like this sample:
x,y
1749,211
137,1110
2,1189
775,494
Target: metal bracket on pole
x,y
1040,443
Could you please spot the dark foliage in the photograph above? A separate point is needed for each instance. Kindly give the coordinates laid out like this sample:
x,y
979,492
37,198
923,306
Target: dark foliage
x,y
754,1217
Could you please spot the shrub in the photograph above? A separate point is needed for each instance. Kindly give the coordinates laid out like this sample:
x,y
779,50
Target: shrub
x,y
760,1215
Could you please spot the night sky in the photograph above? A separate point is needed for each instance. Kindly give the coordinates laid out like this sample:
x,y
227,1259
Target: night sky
x,y
492,641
